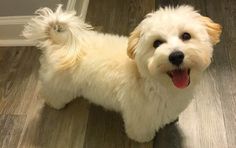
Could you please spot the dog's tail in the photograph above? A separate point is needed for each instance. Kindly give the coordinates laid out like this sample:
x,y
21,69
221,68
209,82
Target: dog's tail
x,y
50,28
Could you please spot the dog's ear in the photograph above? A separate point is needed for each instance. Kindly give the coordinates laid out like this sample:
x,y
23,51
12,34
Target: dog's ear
x,y
133,41
213,29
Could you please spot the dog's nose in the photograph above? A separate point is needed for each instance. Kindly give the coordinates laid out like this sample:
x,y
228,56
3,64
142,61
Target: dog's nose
x,y
176,57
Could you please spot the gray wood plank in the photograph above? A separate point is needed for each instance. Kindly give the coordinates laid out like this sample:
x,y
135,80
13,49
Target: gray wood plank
x,y
203,122
49,128
137,11
109,16
11,127
18,78
224,60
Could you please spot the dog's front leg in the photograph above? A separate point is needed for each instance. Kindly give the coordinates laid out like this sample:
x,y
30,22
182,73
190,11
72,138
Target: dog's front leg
x,y
139,128
54,97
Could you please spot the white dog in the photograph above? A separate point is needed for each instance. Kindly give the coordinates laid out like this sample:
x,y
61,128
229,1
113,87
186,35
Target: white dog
x,y
149,77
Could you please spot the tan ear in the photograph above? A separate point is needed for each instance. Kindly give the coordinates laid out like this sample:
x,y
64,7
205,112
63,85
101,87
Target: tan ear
x,y
132,42
214,30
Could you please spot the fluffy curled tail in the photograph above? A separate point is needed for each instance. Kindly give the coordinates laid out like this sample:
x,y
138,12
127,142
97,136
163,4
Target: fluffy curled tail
x,y
58,27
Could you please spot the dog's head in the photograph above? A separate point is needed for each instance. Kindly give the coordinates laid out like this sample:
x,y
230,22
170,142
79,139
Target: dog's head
x,y
173,44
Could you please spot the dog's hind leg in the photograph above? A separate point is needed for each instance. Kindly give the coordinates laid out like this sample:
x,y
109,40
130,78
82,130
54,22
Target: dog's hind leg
x,y
56,97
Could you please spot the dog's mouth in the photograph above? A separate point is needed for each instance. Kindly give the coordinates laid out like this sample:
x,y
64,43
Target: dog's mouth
x,y
180,77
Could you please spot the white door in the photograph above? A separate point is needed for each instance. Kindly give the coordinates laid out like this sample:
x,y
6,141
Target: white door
x,y
14,14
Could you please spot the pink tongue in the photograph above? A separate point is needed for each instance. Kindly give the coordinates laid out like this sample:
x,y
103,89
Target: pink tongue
x,y
180,78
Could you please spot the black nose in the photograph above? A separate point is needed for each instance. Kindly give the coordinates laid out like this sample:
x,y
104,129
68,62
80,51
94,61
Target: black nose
x,y
176,57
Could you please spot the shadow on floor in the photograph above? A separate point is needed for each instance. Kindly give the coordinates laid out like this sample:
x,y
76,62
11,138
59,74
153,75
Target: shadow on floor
x,y
169,137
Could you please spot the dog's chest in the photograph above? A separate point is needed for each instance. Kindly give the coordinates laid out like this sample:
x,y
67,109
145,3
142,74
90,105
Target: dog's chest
x,y
166,106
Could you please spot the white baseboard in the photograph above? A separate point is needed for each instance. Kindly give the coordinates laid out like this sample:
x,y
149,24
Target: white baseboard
x,y
14,20
15,40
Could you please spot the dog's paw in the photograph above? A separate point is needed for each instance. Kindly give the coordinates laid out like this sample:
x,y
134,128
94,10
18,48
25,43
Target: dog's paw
x,y
176,120
57,105
141,136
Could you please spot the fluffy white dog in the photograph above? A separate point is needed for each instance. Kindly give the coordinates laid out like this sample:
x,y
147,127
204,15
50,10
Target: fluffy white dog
x,y
149,76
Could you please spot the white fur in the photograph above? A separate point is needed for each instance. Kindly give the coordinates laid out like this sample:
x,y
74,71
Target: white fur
x,y
77,61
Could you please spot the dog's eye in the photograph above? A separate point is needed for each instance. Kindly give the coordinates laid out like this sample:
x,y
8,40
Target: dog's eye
x,y
185,36
157,43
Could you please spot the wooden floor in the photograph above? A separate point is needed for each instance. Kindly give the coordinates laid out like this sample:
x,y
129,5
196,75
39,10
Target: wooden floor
x,y
209,121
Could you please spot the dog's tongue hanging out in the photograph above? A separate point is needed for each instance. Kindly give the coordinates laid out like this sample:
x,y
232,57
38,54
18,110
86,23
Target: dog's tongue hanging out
x,y
180,78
